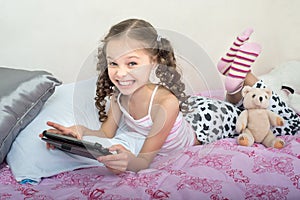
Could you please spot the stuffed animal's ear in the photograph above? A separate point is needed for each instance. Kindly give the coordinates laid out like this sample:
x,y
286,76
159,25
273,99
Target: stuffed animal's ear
x,y
245,90
268,91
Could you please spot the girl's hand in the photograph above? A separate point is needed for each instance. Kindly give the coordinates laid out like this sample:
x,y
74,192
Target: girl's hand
x,y
117,163
74,131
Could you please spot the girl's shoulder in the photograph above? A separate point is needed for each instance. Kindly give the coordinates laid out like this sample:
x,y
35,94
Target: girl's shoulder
x,y
166,100
164,95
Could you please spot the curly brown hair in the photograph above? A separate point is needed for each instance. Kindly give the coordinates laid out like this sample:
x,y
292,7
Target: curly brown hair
x,y
160,48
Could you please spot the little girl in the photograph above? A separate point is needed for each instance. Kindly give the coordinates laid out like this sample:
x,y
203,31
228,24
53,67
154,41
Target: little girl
x,y
162,113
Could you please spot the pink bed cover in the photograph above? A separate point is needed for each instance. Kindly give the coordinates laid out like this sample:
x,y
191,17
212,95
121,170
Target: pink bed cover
x,y
222,170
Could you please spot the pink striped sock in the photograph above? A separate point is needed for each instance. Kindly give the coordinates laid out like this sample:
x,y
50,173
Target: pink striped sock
x,y
241,66
225,62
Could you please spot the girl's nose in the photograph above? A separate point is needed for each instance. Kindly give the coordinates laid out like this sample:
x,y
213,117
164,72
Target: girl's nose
x,y
122,71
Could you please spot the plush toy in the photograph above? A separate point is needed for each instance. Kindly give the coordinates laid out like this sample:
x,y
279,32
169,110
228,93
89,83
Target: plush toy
x,y
255,121
284,81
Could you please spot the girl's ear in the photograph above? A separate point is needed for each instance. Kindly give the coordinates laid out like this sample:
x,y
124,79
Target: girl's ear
x,y
154,60
154,65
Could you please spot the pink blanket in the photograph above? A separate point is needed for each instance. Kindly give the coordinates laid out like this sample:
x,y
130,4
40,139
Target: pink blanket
x,y
222,170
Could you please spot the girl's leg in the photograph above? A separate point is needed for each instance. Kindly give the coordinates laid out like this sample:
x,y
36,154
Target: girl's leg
x,y
225,62
212,119
241,66
250,80
277,105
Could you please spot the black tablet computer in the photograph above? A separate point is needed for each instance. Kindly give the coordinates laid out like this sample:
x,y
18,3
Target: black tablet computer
x,y
75,146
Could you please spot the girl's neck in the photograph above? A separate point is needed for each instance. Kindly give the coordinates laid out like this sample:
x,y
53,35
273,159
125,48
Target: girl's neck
x,y
137,104
140,95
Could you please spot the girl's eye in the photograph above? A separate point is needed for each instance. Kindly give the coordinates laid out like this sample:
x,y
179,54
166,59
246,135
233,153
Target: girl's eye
x,y
132,64
112,64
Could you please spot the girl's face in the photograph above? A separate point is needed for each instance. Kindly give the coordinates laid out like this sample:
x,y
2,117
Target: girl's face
x,y
129,66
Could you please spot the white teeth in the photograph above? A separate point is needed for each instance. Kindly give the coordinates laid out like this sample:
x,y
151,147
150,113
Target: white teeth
x,y
125,83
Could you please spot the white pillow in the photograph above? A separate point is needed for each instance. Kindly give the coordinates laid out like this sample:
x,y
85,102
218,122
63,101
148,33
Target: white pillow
x,y
71,104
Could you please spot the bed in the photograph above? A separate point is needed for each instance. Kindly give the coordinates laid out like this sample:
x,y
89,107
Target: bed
x,y
221,170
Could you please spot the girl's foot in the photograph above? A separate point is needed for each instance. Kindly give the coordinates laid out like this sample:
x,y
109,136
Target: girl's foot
x,y
241,66
225,62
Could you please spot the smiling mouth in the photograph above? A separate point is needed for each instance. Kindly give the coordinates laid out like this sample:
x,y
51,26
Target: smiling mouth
x,y
126,83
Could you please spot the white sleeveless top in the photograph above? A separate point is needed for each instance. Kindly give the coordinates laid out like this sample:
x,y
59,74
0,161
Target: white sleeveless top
x,y
181,135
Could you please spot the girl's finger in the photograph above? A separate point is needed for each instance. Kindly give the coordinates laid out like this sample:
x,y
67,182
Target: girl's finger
x,y
49,146
115,171
117,165
118,148
108,158
52,131
57,126
60,129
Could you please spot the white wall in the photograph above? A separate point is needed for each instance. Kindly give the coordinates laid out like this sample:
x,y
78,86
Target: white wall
x,y
59,35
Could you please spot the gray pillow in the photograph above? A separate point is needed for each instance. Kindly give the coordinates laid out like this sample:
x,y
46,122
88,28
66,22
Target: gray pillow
x,y
22,95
